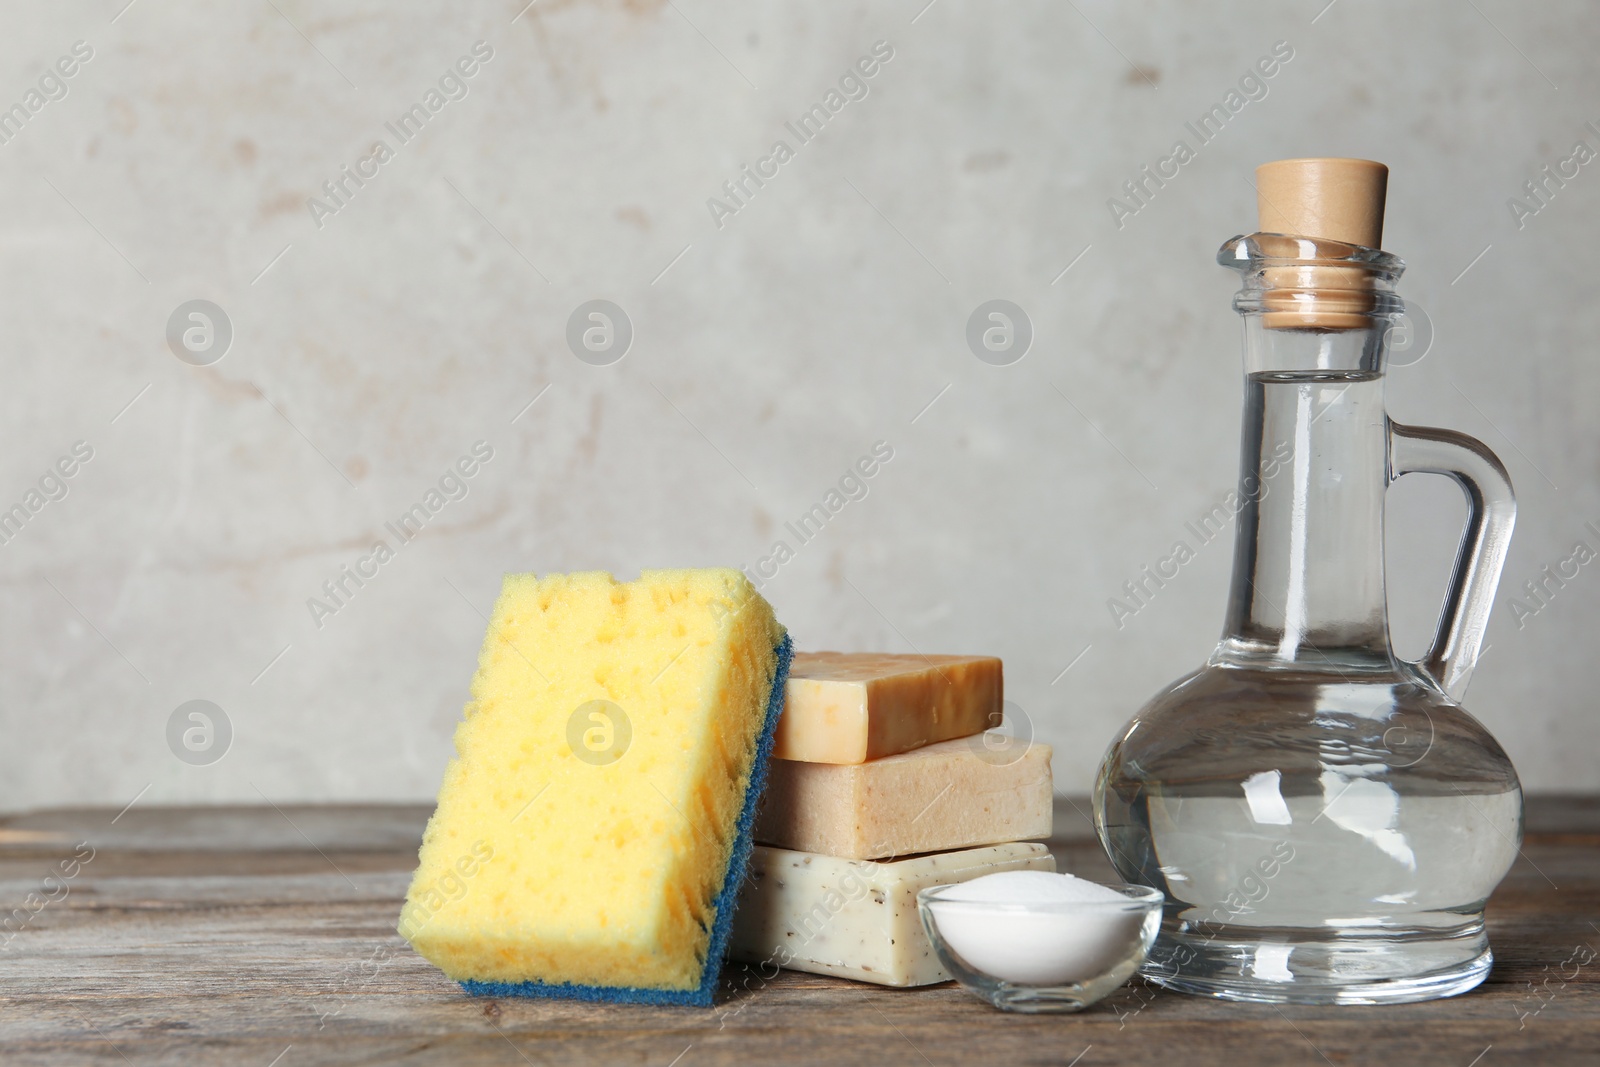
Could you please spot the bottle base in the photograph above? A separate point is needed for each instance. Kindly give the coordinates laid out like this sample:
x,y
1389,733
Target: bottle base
x,y
1280,966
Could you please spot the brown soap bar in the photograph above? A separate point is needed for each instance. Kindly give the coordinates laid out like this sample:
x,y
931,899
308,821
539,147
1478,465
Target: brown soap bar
x,y
955,794
849,707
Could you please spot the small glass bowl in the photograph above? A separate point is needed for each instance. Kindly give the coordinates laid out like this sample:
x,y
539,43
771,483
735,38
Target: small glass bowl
x,y
1057,957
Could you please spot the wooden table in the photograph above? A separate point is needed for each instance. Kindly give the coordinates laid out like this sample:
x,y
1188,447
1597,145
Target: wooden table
x,y
265,937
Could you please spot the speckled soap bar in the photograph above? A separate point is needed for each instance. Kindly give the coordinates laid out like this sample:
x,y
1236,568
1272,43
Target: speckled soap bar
x,y
855,918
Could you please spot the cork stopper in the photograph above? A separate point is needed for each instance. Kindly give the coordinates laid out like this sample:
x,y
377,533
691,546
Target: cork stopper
x,y
1326,200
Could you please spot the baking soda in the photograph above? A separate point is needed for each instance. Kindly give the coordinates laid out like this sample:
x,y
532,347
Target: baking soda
x,y
1031,887
1080,931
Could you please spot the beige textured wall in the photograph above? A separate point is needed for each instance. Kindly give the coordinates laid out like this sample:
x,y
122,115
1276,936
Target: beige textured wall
x,y
374,345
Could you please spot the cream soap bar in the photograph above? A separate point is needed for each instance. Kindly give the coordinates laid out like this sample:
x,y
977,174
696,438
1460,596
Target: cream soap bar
x,y
850,707
853,918
955,794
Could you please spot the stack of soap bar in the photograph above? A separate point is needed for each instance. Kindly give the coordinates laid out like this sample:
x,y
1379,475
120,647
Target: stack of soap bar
x,y
883,757
853,918
594,827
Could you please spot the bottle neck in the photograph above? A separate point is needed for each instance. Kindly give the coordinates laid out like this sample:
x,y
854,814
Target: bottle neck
x,y
1308,582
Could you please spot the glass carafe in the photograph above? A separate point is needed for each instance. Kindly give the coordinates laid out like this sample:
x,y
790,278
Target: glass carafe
x,y
1324,817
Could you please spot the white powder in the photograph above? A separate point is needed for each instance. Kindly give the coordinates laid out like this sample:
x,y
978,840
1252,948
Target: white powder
x,y
1031,887
986,923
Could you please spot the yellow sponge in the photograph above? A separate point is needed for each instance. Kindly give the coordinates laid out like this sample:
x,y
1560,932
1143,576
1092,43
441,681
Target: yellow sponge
x,y
593,828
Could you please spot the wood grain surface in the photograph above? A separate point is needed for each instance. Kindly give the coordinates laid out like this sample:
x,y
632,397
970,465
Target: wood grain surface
x,y
265,937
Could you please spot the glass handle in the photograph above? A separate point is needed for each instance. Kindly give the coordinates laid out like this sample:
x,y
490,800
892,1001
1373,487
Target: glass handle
x,y
1491,513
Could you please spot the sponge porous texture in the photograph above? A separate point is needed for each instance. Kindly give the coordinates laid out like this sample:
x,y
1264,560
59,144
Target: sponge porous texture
x,y
594,826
